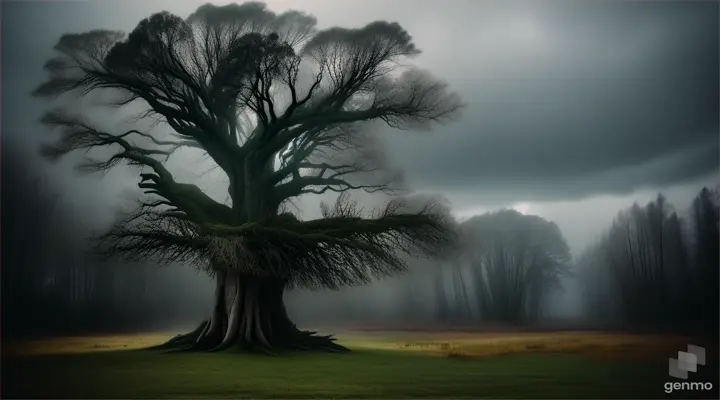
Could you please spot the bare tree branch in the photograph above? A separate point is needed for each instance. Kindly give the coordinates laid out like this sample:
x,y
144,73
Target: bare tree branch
x,y
343,248
77,134
147,233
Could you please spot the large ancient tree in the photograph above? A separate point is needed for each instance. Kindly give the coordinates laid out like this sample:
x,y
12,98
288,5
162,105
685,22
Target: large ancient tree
x,y
283,109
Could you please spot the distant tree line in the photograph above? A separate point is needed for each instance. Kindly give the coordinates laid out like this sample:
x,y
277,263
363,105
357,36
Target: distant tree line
x,y
506,266
51,285
654,267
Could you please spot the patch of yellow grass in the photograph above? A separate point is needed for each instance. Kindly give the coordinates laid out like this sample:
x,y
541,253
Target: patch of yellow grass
x,y
97,343
84,344
596,345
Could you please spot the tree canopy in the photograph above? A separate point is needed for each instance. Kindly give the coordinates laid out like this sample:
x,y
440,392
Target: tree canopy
x,y
283,109
516,260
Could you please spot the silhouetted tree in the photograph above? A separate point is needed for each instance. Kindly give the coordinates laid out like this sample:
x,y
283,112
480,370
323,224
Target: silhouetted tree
x,y
27,225
516,260
283,109
705,217
36,251
653,262
597,286
442,308
647,269
460,309
635,253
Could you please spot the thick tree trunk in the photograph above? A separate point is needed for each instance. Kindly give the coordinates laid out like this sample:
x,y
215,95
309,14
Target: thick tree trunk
x,y
249,314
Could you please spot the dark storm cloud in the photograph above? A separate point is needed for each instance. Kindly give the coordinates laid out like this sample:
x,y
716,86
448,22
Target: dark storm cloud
x,y
565,99
594,98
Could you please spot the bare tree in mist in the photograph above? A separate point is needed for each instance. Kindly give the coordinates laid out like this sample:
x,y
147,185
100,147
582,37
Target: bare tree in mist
x,y
516,260
453,305
441,303
42,277
649,269
41,280
461,303
705,218
599,292
636,254
282,109
25,234
51,285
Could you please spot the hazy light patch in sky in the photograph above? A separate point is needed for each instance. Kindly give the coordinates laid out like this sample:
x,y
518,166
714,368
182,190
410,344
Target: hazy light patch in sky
x,y
523,208
465,214
526,30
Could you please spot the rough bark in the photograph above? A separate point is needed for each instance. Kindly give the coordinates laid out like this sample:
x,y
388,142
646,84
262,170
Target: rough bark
x,y
249,314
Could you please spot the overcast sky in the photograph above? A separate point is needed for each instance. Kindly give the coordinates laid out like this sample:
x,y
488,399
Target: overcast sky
x,y
575,109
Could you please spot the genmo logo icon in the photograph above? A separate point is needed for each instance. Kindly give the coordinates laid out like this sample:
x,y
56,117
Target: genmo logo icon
x,y
680,367
687,362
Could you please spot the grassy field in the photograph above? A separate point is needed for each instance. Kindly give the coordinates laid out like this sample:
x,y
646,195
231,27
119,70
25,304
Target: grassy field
x,y
382,365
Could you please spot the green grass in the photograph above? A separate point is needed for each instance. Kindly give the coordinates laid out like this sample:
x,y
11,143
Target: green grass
x,y
369,372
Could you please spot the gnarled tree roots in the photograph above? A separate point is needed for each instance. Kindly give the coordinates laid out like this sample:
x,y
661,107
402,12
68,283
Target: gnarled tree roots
x,y
249,314
199,341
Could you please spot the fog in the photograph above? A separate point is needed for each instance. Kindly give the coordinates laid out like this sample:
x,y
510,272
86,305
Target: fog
x,y
574,112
